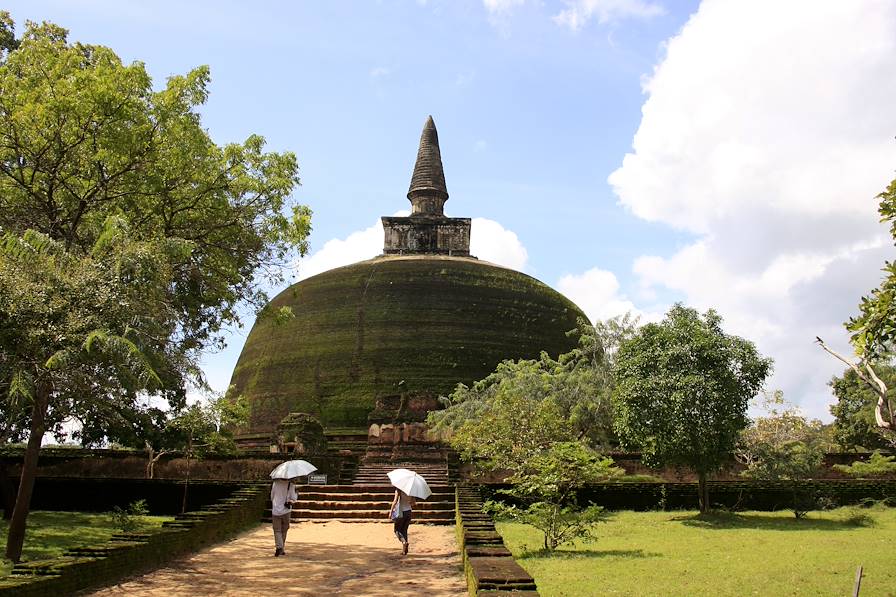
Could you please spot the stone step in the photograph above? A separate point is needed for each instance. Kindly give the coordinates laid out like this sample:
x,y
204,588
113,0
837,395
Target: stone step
x,y
333,505
369,514
368,487
363,515
421,470
382,520
367,495
378,481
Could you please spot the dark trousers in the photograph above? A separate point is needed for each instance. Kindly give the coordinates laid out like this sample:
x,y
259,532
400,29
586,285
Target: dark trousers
x,y
401,526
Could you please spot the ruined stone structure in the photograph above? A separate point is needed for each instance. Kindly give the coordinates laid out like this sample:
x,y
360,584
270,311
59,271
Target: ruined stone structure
x,y
400,329
427,230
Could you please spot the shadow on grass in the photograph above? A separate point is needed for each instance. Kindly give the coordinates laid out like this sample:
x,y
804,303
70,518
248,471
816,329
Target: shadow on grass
x,y
731,520
564,554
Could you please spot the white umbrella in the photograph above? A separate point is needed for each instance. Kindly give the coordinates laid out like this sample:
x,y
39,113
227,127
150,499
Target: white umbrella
x,y
293,468
410,482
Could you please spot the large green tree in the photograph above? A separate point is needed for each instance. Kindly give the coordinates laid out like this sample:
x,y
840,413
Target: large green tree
x,y
130,238
683,386
873,331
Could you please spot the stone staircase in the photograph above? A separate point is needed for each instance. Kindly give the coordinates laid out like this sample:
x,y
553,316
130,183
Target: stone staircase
x,y
346,442
375,473
368,498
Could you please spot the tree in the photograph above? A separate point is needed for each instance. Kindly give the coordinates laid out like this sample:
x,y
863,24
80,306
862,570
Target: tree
x,y
579,383
528,439
854,422
873,330
205,428
783,446
69,335
683,386
130,236
547,483
535,422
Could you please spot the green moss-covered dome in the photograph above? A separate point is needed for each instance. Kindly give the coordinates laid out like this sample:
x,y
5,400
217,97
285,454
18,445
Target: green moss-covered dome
x,y
394,324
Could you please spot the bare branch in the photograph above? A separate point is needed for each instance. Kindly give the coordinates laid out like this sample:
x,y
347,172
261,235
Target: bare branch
x,y
872,380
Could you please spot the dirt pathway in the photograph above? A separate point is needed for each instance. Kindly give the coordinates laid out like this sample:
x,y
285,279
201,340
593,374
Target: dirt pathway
x,y
332,558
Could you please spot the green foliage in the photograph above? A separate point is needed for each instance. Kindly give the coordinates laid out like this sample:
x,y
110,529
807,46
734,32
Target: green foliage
x,y
877,465
207,427
874,328
682,391
560,525
128,236
854,422
537,420
578,385
546,484
783,446
511,418
77,324
130,518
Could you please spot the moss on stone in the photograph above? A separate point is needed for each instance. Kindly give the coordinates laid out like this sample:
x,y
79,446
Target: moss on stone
x,y
390,325
304,432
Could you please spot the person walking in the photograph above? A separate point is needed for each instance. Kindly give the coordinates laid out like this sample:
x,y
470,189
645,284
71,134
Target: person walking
x,y
283,494
400,514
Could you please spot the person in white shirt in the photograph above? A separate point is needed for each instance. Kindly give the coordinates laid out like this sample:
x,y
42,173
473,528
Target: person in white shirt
x,y
283,494
400,514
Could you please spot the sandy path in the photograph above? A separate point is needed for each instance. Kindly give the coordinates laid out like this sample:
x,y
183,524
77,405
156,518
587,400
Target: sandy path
x,y
331,558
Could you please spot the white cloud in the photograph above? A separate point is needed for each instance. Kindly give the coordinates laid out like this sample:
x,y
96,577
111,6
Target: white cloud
x,y
336,252
501,6
489,241
578,12
767,132
596,292
380,71
492,242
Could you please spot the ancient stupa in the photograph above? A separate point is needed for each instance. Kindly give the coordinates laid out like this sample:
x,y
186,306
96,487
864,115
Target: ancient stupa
x,y
419,319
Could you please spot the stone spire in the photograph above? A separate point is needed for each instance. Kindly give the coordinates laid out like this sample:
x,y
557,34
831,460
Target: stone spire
x,y
428,192
427,231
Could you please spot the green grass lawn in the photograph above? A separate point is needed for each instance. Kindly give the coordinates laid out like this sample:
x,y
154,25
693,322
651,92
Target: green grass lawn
x,y
51,533
750,553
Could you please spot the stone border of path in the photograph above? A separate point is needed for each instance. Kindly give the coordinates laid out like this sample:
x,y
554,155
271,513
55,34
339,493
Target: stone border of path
x,y
489,566
130,553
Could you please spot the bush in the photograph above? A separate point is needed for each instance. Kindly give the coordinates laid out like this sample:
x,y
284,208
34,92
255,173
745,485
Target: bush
x,y
876,466
856,516
128,519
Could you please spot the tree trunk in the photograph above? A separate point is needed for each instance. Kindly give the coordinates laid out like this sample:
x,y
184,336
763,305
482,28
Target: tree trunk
x,y
183,507
703,492
149,461
16,536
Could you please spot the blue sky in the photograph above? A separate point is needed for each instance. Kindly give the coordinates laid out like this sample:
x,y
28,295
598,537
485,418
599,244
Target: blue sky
x,y
630,153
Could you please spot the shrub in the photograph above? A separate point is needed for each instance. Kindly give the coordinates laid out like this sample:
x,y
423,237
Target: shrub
x,y
877,465
128,519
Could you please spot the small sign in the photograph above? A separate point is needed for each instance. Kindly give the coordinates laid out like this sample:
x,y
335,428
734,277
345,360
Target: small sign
x,y
317,479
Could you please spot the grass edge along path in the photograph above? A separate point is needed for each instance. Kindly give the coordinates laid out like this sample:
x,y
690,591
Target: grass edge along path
x,y
50,533
723,554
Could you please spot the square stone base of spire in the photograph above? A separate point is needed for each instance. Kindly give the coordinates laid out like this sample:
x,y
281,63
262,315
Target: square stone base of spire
x,y
435,236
